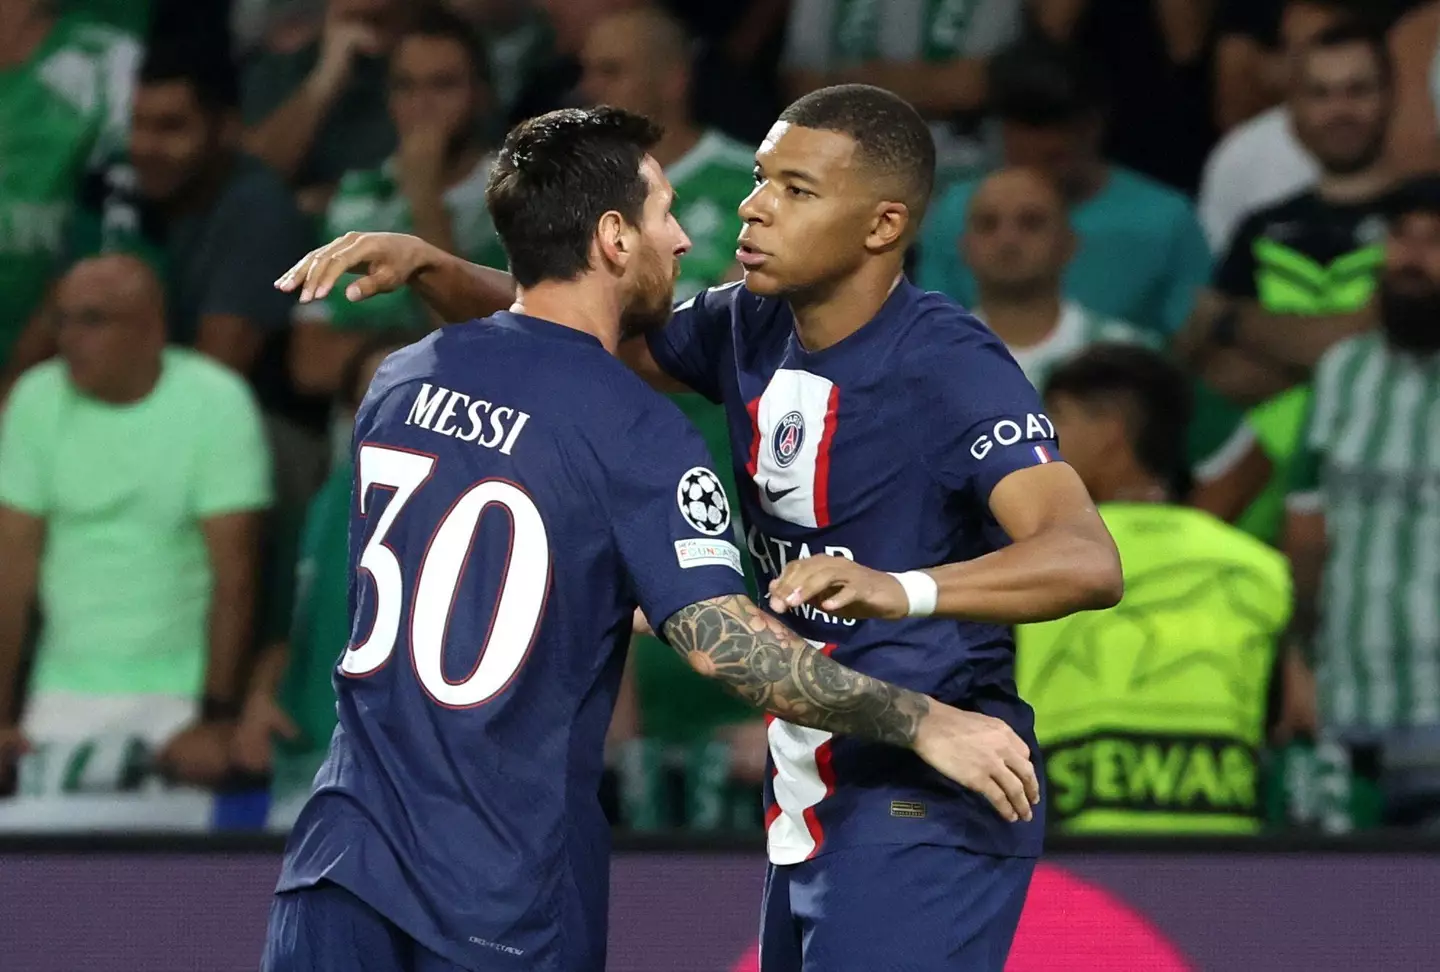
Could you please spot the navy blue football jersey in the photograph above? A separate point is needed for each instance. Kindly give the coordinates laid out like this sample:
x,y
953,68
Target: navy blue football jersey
x,y
518,490
883,448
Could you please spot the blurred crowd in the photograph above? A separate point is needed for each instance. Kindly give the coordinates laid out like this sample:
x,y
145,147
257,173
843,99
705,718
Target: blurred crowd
x,y
1207,229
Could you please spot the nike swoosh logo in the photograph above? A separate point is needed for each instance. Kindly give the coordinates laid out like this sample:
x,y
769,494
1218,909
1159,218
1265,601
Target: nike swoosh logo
x,y
776,495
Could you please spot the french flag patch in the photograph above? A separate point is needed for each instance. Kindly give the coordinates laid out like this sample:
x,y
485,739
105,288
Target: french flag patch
x,y
1042,455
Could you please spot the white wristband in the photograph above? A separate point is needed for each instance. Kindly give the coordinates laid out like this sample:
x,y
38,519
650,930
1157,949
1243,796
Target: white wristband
x,y
921,591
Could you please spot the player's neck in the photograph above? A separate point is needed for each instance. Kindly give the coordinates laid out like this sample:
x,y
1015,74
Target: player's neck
x,y
679,138
1021,321
826,316
578,304
1132,484
1355,187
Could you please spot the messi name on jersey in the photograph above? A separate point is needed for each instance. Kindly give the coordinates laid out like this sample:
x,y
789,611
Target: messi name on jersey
x,y
468,419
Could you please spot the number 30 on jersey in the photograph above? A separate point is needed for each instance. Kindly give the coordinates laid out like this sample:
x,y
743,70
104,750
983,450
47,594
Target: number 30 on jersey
x,y
518,608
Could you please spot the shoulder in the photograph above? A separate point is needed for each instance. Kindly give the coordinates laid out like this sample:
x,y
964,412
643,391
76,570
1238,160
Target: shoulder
x,y
39,389
1102,328
1144,194
944,341
1253,138
1233,545
1342,358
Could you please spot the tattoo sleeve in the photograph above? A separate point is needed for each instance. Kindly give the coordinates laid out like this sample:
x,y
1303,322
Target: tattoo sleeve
x,y
732,640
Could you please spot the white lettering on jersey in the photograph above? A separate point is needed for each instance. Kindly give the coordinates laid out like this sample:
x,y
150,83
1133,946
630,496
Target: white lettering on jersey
x,y
794,424
772,555
695,552
435,409
1007,432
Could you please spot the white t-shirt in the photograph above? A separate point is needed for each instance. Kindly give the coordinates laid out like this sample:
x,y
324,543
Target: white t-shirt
x,y
1076,330
1258,164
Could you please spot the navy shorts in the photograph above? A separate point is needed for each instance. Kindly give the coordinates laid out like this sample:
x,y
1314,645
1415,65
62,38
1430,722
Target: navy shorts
x,y
327,929
893,908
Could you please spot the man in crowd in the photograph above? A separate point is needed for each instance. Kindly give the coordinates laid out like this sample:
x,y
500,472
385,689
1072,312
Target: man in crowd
x,y
1152,713
1299,275
132,478
317,113
934,55
65,86
1141,256
640,60
434,187
1363,533
1262,162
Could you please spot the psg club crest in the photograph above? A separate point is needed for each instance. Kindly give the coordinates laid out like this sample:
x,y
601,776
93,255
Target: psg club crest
x,y
788,438
702,502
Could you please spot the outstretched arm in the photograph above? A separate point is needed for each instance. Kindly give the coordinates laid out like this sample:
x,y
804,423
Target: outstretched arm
x,y
733,641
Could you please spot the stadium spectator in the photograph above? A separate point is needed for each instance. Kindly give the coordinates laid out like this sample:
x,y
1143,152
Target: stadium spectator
x,y
1017,244
317,113
1152,714
1363,533
1262,162
132,477
638,60
434,187
1141,256
1250,69
65,87
517,39
1299,275
1156,56
555,81
933,55
289,711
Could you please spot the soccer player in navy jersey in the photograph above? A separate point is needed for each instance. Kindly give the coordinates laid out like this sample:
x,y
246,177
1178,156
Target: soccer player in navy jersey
x,y
872,424
518,491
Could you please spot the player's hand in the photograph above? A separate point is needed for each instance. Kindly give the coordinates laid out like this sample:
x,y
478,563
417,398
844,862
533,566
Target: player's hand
x,y
199,754
252,747
838,586
983,754
640,625
387,261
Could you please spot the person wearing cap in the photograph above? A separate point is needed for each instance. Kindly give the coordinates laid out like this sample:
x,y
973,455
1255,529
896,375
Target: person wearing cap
x,y
1362,672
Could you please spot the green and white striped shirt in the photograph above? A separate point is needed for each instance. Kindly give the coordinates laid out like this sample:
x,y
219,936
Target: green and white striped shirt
x,y
1371,464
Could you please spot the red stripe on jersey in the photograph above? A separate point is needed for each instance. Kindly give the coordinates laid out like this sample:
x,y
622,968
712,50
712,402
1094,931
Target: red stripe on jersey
x,y
753,407
823,755
822,460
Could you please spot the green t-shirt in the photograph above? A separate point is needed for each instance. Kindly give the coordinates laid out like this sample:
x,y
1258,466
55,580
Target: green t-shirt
x,y
319,630
676,705
710,180
1152,713
371,201
125,579
131,16
60,113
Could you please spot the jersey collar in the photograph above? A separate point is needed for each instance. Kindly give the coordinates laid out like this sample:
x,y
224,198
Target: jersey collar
x,y
541,328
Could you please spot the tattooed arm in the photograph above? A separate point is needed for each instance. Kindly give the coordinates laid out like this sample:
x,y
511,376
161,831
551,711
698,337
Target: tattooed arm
x,y
733,641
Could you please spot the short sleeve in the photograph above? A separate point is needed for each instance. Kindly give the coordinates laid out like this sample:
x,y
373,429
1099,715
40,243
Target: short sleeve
x,y
1235,276
1189,270
263,235
672,521
232,464
27,427
983,418
689,348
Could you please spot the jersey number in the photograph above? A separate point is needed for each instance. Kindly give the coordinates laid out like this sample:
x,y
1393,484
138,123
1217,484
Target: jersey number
x,y
522,590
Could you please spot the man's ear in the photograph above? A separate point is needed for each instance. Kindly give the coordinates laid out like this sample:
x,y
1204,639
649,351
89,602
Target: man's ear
x,y
614,240
891,221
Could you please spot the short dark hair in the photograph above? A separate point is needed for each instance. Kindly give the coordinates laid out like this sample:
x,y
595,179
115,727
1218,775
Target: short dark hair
x,y
1359,31
435,21
208,70
556,175
1045,85
1154,394
891,136
390,340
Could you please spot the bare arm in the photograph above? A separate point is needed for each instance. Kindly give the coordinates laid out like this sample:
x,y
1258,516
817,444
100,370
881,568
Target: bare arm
x,y
1227,494
1414,143
1242,88
1297,340
1057,18
231,541
35,344
22,537
1306,547
733,641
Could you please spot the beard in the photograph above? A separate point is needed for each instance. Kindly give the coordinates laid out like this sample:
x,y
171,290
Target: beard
x,y
1410,317
651,302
